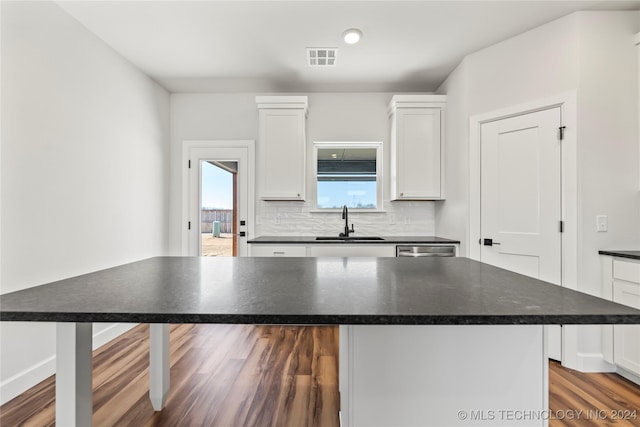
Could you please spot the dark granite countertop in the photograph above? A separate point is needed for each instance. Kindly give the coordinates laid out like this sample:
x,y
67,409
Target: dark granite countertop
x,y
408,291
387,240
622,254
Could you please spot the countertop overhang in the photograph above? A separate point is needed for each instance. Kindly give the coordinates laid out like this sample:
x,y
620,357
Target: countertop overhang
x,y
433,291
393,240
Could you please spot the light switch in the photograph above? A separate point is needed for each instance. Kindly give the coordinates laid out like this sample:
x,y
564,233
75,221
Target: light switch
x,y
602,223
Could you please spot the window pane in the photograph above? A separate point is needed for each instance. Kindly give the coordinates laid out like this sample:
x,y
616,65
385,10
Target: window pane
x,y
354,194
347,175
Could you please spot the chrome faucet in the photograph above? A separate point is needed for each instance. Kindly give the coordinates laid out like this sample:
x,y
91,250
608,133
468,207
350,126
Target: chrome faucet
x,y
345,216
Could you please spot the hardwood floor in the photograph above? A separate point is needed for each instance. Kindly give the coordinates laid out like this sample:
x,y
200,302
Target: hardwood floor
x,y
578,399
245,375
221,375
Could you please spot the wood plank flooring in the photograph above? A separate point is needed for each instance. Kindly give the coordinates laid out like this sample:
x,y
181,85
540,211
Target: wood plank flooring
x,y
578,399
245,375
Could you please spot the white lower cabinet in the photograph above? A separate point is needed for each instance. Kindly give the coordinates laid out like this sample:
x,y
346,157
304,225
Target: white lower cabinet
x,y
279,250
626,338
359,250
621,279
323,250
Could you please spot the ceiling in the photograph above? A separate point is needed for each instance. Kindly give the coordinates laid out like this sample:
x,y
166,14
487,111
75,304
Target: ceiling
x,y
260,46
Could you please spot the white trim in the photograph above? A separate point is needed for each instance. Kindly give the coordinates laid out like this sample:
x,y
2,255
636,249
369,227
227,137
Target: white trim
x,y
23,381
593,362
416,101
250,145
570,186
110,333
278,101
544,357
628,375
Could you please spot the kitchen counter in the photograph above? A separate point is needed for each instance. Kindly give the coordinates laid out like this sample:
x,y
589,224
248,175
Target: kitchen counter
x,y
622,254
407,327
400,240
309,291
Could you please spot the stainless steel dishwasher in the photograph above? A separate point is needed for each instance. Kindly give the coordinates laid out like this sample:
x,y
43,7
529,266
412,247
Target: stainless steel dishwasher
x,y
420,251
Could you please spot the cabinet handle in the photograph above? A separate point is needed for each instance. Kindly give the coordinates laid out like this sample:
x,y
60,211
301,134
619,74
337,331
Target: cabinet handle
x,y
278,253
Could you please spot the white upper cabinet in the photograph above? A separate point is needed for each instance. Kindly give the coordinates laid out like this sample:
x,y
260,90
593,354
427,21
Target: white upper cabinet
x,y
281,147
417,147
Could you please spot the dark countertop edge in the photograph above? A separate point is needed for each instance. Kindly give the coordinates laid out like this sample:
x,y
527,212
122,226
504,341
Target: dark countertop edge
x,y
305,240
329,319
622,254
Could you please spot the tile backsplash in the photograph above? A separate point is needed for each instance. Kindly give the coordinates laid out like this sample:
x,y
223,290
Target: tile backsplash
x,y
298,219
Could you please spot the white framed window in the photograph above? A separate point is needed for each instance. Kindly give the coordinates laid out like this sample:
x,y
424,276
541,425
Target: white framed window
x,y
348,173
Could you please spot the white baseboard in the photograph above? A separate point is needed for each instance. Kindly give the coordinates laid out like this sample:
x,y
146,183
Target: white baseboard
x,y
593,362
628,375
113,331
23,381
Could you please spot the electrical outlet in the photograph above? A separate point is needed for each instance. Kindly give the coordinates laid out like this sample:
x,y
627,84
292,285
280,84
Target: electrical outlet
x,y
278,220
602,223
392,219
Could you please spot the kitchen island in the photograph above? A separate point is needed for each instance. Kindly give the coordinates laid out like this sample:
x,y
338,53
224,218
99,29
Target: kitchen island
x,y
451,341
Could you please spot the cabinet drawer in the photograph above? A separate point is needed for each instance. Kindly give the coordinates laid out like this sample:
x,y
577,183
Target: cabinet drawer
x,y
627,294
285,251
358,250
626,270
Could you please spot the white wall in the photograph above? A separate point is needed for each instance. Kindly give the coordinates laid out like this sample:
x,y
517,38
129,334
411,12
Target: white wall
x,y
608,137
537,64
452,215
84,168
588,53
332,117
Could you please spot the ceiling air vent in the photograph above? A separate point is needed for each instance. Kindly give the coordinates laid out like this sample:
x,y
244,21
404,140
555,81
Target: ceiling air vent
x,y
322,56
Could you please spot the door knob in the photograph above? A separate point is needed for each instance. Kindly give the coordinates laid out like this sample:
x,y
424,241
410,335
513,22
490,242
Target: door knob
x,y
489,242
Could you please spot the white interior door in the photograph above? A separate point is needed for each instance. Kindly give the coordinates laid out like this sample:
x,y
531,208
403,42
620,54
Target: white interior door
x,y
197,157
521,199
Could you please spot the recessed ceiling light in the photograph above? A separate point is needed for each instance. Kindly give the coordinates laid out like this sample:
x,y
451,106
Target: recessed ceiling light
x,y
352,36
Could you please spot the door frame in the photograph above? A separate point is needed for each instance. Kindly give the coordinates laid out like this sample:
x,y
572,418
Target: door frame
x,y
567,102
187,147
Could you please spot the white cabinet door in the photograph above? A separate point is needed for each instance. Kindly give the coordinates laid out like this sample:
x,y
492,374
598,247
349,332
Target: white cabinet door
x,y
358,250
417,147
626,338
278,250
520,199
281,148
